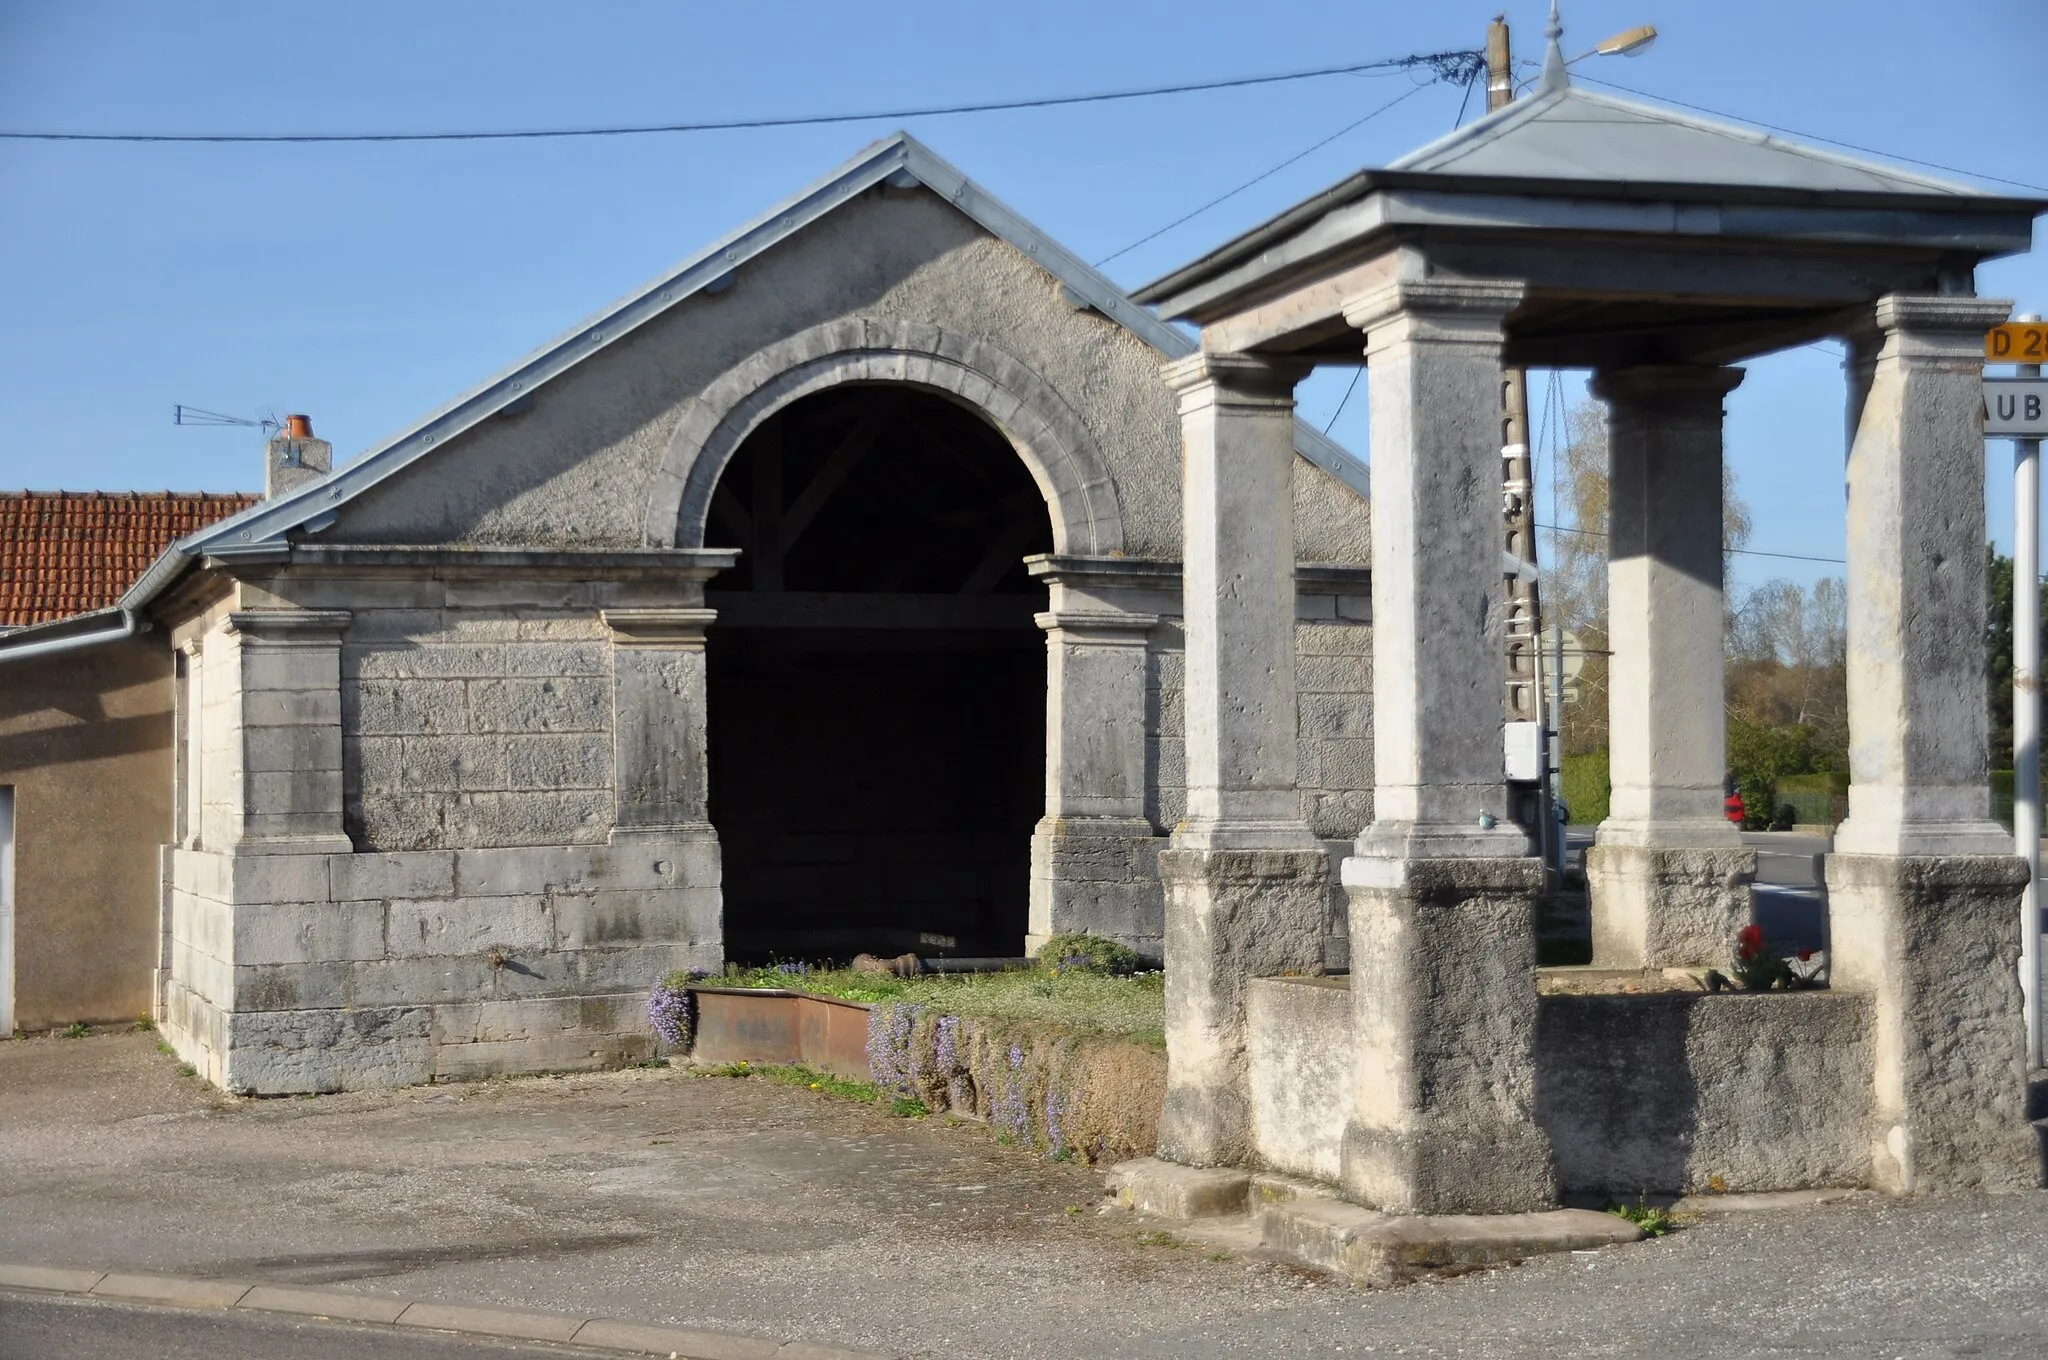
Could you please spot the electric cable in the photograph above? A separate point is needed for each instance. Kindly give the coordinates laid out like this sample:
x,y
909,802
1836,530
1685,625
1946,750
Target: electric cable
x,y
1445,65
1265,174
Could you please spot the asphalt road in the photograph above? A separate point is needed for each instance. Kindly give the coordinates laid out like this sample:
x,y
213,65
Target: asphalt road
x,y
658,1197
40,1327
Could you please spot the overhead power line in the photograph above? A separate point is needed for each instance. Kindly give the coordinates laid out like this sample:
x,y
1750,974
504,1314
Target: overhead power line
x,y
1815,137
1266,174
1445,65
1739,552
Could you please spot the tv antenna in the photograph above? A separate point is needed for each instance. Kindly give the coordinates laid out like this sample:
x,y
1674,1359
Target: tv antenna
x,y
199,415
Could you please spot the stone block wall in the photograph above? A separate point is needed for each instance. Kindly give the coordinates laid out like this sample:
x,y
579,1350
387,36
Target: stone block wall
x,y
300,973
1658,1093
475,728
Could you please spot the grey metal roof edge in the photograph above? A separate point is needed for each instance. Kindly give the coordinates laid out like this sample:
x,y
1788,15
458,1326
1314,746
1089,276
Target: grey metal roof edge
x,y
1758,137
1399,173
271,519
1509,115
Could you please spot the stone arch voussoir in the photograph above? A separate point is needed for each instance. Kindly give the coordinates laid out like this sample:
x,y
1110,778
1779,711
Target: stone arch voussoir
x,y
1045,431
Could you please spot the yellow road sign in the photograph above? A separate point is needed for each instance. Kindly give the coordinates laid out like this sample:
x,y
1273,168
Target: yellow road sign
x,y
2017,342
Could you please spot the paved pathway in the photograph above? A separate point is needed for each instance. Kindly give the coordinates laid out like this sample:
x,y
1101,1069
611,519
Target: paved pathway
x,y
738,1206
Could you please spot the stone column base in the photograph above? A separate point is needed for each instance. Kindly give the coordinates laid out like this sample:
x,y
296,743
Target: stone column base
x,y
1668,907
1936,941
1443,996
1230,915
1097,875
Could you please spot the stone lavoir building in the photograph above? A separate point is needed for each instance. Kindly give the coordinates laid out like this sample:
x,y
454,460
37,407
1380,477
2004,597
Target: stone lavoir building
x,y
822,596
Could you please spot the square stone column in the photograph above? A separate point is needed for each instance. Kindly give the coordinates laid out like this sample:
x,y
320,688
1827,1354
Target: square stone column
x,y
1245,881
1669,873
1923,889
1442,887
1086,852
283,743
659,755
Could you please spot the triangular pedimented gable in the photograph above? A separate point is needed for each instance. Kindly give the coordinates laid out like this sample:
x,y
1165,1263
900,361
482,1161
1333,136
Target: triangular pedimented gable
x,y
899,161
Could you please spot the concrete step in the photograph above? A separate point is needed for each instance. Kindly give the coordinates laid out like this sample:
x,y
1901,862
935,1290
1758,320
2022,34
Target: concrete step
x,y
1387,1249
1308,1222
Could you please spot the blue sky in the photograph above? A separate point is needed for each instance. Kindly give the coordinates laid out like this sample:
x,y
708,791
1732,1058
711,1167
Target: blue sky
x,y
367,284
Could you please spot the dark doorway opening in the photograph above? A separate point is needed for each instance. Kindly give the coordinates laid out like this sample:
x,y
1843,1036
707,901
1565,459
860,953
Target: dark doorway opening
x,y
877,682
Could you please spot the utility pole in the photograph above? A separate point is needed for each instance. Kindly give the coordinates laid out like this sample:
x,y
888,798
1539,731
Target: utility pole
x,y
1525,661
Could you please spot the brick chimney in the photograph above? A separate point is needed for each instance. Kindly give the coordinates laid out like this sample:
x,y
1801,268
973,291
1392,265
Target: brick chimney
x,y
295,457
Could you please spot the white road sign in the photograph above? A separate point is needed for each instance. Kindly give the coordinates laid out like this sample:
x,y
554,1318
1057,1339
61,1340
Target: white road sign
x,y
2016,408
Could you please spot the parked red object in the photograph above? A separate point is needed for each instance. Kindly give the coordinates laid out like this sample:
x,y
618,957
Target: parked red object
x,y
1732,808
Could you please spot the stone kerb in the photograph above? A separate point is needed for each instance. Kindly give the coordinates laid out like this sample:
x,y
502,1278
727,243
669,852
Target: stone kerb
x,y
1053,441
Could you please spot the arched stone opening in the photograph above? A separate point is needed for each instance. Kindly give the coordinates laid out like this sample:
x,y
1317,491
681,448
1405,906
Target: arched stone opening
x,y
876,680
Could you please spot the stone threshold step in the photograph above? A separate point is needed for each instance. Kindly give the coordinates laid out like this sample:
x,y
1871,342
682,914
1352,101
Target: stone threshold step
x,y
1309,1223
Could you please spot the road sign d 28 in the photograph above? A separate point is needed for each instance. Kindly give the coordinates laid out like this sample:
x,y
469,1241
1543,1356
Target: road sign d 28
x,y
2017,342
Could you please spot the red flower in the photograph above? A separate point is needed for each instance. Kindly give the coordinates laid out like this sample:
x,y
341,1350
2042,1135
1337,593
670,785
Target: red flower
x,y
1806,956
1749,943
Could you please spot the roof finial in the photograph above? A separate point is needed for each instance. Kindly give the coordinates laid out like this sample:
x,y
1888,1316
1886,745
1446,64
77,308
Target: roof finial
x,y
1554,77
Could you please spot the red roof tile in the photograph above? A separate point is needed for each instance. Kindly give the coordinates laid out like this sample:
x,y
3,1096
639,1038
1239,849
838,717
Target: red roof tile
x,y
67,552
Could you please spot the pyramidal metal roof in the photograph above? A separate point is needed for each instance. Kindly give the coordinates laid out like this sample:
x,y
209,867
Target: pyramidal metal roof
x,y
1575,135
899,160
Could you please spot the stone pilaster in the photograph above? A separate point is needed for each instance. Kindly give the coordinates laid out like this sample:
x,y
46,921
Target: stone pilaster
x,y
1245,882
1670,876
659,752
1442,890
1089,854
285,728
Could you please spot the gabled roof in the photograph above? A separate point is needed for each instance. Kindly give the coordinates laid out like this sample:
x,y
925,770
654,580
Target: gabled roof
x,y
1574,135
900,161
72,552
1564,157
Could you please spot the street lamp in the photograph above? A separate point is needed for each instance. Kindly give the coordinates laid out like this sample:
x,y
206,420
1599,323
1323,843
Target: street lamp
x,y
1632,43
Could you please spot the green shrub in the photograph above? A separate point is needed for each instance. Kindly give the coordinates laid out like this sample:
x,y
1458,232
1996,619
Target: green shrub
x,y
1088,954
1586,787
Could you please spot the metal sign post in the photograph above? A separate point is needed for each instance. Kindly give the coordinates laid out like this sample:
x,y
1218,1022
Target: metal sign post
x,y
2014,409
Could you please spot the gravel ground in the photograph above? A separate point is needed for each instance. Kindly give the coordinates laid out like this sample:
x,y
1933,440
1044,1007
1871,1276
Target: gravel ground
x,y
738,1205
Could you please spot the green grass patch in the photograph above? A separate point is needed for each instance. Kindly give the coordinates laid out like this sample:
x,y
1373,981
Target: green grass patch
x,y
825,1083
1079,1000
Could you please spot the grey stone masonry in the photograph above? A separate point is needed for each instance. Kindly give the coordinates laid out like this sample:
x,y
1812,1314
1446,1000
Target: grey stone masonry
x,y
308,972
290,730
1093,854
1443,1037
1669,875
1433,348
1231,915
1931,940
1917,723
658,729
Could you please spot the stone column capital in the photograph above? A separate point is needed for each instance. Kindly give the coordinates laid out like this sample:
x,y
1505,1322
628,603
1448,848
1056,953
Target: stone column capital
x,y
290,625
1469,311
1673,389
1244,380
658,627
1931,314
1099,627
